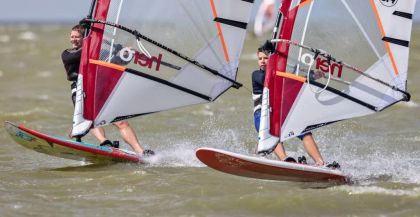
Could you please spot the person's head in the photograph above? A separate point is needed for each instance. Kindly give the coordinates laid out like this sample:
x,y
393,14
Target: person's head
x,y
76,36
262,56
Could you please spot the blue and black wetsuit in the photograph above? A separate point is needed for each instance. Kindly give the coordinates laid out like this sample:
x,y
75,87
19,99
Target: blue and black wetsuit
x,y
258,77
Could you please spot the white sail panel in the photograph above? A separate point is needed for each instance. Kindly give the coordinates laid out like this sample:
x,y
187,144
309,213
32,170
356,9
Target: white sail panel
x,y
132,87
325,108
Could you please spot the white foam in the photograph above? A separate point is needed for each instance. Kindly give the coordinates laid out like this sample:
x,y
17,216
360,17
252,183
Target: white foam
x,y
27,36
367,157
181,155
44,74
203,112
416,139
4,38
249,56
361,190
43,97
32,111
410,104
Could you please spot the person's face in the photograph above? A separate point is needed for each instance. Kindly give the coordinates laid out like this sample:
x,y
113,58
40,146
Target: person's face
x,y
262,60
76,39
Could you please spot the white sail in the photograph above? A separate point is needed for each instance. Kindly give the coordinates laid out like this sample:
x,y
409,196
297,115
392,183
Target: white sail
x,y
144,56
265,18
358,49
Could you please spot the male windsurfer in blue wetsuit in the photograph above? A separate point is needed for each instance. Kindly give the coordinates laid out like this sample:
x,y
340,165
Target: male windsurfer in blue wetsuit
x,y
71,60
258,77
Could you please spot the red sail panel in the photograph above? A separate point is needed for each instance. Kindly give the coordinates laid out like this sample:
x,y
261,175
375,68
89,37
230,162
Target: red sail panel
x,y
283,91
90,50
106,80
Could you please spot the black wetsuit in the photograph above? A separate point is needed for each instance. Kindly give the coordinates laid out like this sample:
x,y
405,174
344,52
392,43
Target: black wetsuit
x,y
71,61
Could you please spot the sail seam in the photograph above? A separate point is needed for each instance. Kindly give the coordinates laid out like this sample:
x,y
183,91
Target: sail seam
x,y
361,28
167,83
333,90
234,23
219,29
396,41
305,29
403,14
115,31
312,127
381,28
120,118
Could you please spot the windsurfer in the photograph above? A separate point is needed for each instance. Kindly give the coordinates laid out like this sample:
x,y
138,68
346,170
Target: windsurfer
x,y
71,60
258,77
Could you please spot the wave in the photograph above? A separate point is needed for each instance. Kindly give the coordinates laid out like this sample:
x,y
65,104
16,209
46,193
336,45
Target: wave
x,y
44,74
28,36
361,190
4,38
249,56
410,104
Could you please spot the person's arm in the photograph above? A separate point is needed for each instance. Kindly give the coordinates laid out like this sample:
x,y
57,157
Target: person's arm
x,y
71,61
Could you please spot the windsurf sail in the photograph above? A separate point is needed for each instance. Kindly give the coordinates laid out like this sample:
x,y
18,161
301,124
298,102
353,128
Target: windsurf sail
x,y
142,56
334,60
265,18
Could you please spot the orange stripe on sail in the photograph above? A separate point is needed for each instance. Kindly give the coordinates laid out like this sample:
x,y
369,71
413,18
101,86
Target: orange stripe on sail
x,y
107,64
291,76
219,29
381,28
303,3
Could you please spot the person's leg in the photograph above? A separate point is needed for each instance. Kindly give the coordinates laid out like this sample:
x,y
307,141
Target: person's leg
x,y
312,149
129,136
99,134
280,152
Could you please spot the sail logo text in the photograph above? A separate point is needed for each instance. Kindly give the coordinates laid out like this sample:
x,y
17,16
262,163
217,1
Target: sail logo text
x,y
127,54
323,66
388,3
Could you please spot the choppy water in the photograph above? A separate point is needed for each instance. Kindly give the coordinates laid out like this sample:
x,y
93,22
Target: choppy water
x,y
380,153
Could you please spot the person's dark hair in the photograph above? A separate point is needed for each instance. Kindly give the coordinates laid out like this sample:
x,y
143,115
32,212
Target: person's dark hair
x,y
266,48
79,28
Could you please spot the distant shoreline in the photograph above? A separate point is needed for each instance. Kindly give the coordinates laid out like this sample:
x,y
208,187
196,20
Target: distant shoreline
x,y
38,22
67,22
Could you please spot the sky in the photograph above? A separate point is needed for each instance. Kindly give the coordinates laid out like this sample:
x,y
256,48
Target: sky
x,y
43,10
61,10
